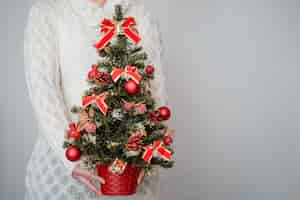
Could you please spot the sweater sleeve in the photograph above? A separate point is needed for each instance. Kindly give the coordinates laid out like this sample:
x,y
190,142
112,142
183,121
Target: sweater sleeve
x,y
154,48
153,45
42,70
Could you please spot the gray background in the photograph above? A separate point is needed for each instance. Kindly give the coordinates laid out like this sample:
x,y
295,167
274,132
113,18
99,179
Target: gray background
x,y
233,80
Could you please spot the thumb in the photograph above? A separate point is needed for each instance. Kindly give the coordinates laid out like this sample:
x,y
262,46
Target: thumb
x,y
87,183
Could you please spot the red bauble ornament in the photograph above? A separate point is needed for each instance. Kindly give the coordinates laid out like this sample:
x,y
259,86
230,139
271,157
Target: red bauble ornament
x,y
168,140
155,116
164,113
131,87
149,70
73,153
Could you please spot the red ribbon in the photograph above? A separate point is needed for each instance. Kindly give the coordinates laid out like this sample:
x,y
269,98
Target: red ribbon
x,y
110,28
98,99
157,147
73,131
131,71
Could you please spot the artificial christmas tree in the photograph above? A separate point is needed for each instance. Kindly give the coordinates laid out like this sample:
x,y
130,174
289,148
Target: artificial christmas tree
x,y
120,131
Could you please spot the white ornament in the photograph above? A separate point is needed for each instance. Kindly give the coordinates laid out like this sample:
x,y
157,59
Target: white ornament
x,y
132,153
117,114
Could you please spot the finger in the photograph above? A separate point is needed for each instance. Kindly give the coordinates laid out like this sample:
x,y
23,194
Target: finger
x,y
141,177
75,171
99,193
88,184
82,172
97,178
89,175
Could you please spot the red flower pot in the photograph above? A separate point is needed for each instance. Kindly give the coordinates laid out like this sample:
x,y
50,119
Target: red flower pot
x,y
124,184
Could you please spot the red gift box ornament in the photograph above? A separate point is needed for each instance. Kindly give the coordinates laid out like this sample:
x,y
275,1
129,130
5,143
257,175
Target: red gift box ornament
x,y
118,166
130,71
110,28
156,147
98,99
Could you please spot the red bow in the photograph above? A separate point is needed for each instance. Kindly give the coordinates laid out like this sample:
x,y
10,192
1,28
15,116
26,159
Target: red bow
x,y
131,71
157,147
110,28
98,99
74,131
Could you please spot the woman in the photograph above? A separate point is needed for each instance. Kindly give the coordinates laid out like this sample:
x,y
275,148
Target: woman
x,y
59,51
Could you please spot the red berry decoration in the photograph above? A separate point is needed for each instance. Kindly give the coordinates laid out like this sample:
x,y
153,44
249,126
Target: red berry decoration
x,y
131,87
150,70
93,73
73,153
168,140
164,113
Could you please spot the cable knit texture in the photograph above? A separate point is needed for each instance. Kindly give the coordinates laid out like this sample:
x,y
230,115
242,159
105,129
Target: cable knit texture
x,y
58,53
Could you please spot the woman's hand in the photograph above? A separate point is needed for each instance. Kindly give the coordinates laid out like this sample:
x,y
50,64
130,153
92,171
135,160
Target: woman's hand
x,y
85,177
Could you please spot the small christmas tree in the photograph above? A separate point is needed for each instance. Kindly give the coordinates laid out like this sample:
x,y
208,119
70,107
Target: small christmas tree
x,y
118,121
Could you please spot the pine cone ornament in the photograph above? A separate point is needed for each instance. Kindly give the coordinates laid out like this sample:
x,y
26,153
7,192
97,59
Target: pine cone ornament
x,y
103,79
135,142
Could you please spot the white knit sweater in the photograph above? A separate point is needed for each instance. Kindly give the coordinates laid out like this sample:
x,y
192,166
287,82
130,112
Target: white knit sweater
x,y
59,51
